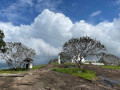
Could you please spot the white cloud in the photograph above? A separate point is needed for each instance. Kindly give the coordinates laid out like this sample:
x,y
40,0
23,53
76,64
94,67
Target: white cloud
x,y
16,11
12,12
119,14
118,2
58,26
95,13
47,4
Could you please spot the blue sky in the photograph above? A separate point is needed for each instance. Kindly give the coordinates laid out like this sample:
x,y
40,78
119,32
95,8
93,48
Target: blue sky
x,y
24,11
45,25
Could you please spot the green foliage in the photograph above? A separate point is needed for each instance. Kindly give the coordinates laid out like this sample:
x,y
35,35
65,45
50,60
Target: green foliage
x,y
86,74
111,67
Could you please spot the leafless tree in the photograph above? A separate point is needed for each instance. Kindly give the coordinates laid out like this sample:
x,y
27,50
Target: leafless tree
x,y
2,42
64,57
16,53
83,47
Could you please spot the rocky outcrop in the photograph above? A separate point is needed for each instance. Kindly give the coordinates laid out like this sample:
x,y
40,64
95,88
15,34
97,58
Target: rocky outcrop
x,y
110,59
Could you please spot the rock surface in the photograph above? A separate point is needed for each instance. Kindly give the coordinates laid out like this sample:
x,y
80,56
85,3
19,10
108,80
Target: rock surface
x,y
46,79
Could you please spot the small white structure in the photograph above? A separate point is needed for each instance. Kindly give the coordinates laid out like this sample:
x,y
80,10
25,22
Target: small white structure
x,y
83,60
97,63
59,61
78,59
28,63
72,60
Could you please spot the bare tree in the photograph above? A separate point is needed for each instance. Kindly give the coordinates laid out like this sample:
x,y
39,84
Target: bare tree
x,y
2,42
16,53
83,47
64,57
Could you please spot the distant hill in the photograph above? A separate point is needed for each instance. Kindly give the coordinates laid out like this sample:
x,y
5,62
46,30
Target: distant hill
x,y
110,59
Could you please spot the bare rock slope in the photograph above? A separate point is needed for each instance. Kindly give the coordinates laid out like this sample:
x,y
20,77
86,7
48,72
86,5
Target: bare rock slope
x,y
46,79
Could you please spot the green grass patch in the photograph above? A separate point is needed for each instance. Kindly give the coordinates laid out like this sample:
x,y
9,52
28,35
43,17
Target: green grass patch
x,y
11,71
86,74
68,64
62,63
111,67
37,67
20,70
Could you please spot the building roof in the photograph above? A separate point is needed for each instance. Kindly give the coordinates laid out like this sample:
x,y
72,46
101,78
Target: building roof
x,y
28,60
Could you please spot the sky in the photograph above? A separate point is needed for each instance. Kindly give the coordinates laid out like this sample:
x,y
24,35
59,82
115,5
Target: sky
x,y
46,25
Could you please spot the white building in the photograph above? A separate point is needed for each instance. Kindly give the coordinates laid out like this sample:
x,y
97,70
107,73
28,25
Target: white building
x,y
93,62
59,61
28,63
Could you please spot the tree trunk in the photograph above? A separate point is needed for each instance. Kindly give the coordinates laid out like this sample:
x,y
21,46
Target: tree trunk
x,y
79,64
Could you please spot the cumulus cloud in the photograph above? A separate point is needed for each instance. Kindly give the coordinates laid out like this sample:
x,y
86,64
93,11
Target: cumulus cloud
x,y
50,30
55,25
95,13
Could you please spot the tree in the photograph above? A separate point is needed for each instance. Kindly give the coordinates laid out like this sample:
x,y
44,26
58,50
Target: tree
x,y
64,57
83,47
2,42
16,53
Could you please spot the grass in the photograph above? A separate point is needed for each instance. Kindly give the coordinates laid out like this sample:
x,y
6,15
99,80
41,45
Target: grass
x,y
37,67
62,64
111,67
119,85
86,74
11,71
20,70
68,64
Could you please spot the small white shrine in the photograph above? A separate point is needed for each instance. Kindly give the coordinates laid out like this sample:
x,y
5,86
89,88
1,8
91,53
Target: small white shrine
x,y
59,61
28,63
78,59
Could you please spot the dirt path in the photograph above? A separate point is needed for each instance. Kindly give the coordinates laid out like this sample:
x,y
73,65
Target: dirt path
x,y
46,79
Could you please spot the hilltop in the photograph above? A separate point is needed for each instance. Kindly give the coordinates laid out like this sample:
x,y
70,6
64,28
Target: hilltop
x,y
47,79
